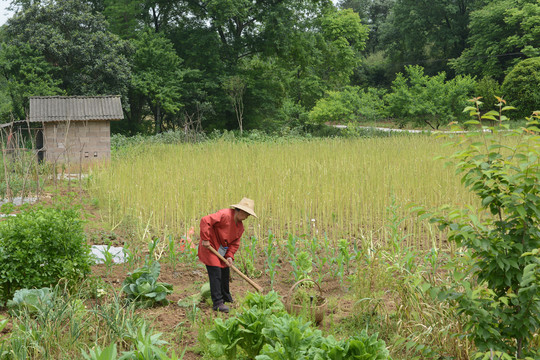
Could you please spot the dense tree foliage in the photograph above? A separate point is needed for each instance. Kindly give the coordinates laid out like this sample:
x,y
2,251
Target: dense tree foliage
x,y
502,33
27,73
87,58
521,86
157,77
261,64
427,32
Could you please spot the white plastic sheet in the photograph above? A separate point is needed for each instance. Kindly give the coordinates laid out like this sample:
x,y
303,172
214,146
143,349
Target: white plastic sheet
x,y
99,252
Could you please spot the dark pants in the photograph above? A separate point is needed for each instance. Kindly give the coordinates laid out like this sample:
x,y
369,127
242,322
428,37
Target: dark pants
x,y
219,284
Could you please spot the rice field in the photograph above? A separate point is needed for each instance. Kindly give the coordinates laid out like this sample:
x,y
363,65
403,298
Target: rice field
x,y
340,188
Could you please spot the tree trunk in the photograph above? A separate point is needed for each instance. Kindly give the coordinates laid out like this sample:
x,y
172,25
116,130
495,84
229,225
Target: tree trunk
x,y
158,118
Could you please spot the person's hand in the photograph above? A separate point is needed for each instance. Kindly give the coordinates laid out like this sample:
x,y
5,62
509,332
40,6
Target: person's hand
x,y
206,244
230,261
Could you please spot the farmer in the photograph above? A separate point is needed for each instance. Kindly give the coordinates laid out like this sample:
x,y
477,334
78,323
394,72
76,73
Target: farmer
x,y
222,231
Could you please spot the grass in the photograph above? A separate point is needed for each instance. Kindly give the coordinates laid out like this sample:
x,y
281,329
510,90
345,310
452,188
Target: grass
x,y
333,187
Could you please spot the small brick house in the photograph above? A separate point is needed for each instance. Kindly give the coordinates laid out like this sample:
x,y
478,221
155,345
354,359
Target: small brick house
x,y
75,128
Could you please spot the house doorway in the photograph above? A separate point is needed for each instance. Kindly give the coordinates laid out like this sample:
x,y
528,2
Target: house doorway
x,y
39,146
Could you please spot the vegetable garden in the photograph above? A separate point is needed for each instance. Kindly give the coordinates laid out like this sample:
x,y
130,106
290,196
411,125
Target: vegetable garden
x,y
352,215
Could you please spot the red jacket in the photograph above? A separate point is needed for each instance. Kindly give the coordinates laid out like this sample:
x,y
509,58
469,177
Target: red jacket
x,y
221,230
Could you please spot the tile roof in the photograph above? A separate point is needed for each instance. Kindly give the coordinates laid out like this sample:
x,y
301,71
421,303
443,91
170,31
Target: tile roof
x,y
75,108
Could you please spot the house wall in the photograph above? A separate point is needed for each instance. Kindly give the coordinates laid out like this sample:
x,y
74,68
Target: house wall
x,y
77,140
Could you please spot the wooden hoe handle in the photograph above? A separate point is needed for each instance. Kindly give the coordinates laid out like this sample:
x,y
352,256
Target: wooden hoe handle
x,y
251,282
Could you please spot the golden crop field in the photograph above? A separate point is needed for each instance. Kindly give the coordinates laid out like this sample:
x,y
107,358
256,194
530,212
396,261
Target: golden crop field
x,y
330,187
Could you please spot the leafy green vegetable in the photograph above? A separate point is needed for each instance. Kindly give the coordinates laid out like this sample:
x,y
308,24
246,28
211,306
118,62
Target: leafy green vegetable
x,y
31,300
142,286
290,338
148,345
225,336
269,301
97,353
264,331
252,322
195,299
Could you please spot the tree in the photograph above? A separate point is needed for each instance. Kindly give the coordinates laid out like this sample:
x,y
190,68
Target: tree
x,y
157,77
501,34
321,55
235,88
126,17
22,5
487,89
308,46
432,101
373,13
123,17
88,59
427,32
521,86
27,73
344,37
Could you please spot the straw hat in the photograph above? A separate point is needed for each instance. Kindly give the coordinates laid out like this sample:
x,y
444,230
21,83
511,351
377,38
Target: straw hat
x,y
247,205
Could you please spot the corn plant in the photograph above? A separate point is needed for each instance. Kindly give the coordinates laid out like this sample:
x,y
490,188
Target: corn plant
x,y
314,246
249,256
271,258
173,254
319,257
192,313
344,259
108,258
320,263
302,265
290,246
130,256
188,247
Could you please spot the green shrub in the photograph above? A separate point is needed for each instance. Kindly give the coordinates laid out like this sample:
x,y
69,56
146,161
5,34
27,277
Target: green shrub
x,y
291,115
40,246
263,302
487,88
501,296
520,87
426,100
350,105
